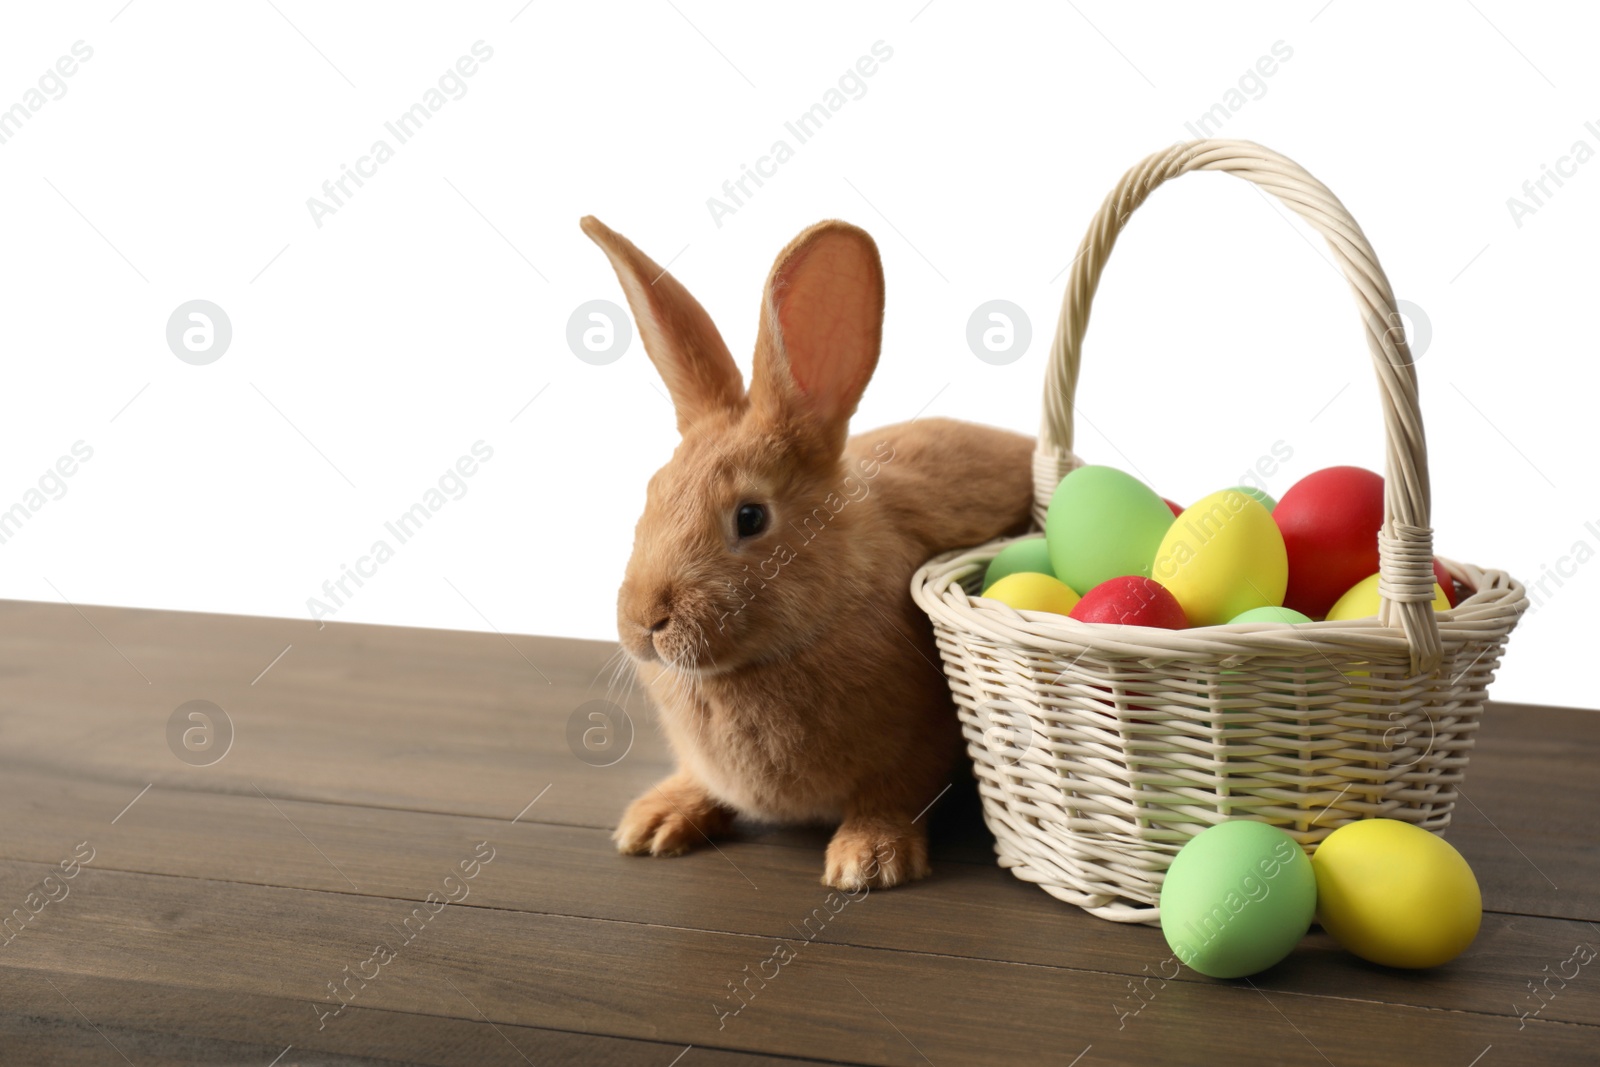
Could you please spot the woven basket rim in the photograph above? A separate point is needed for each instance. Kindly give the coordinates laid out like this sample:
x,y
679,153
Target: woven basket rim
x,y
936,587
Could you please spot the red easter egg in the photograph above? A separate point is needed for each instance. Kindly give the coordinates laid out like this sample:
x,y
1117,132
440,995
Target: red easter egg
x,y
1329,520
1176,510
1446,582
1133,600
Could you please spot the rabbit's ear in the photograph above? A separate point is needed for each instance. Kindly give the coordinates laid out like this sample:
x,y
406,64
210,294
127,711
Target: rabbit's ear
x,y
821,328
678,335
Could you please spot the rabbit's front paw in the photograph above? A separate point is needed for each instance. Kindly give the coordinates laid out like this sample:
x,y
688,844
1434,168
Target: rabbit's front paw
x,y
670,819
876,854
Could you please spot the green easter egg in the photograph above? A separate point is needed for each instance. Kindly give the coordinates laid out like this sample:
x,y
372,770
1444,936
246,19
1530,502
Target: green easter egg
x,y
1258,495
1269,613
1029,556
1103,524
1237,899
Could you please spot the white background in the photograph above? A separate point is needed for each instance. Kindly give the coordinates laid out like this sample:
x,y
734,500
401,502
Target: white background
x,y
370,353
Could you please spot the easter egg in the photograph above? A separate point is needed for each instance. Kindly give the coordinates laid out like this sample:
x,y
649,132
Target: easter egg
x,y
1269,613
1222,556
1033,592
1329,520
1258,495
1360,601
1030,555
1131,600
1446,582
1103,524
1176,509
1237,899
1395,894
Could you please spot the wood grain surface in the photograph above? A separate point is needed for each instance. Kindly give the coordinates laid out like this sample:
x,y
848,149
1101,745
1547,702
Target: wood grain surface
x,y
370,766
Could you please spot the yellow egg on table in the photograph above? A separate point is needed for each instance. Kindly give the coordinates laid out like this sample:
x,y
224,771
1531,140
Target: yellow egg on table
x,y
1027,591
1395,894
1360,601
1223,556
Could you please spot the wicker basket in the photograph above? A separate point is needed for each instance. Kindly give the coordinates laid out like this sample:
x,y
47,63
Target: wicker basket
x,y
1100,749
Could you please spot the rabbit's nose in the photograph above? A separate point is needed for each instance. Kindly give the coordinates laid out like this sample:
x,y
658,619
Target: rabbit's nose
x,y
661,623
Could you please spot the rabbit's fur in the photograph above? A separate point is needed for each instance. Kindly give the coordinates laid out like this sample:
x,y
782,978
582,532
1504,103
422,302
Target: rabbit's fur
x,y
796,679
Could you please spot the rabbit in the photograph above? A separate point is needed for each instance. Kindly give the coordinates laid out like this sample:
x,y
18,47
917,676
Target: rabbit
x,y
767,603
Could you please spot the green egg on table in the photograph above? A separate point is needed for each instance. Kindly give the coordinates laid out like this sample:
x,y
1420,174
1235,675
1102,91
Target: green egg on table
x,y
1103,524
1237,899
1031,555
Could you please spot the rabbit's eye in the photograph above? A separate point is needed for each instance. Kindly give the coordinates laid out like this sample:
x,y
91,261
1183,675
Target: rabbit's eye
x,y
751,519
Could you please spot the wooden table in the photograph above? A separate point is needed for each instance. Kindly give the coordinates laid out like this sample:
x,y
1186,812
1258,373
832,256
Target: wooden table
x,y
371,766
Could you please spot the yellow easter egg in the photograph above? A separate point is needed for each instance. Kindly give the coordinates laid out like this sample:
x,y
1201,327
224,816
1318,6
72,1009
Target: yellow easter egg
x,y
1223,556
1027,591
1395,894
1360,601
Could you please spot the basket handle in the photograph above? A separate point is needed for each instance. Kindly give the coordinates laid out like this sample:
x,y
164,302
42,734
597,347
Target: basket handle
x,y
1405,542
